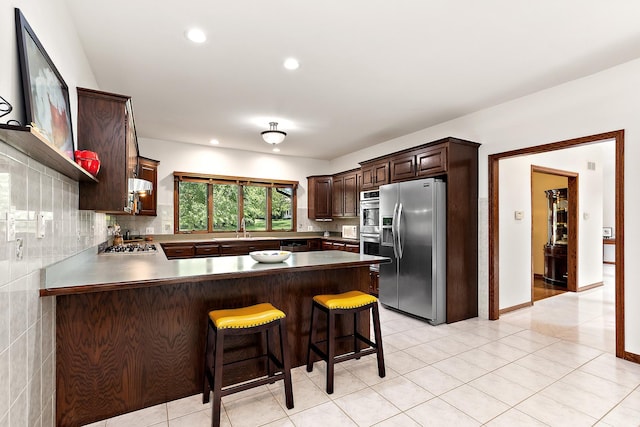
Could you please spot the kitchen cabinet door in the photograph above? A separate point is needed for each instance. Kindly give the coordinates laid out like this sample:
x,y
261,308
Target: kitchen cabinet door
x,y
105,126
351,195
375,175
345,200
148,169
431,161
337,196
402,167
375,280
319,197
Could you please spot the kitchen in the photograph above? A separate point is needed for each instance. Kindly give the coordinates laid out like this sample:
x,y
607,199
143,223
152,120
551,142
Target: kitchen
x,y
499,129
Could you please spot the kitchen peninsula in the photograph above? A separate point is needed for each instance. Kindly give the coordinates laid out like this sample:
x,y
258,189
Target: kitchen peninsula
x,y
130,328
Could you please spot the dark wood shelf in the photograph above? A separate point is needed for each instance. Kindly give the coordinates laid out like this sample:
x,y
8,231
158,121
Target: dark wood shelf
x,y
34,145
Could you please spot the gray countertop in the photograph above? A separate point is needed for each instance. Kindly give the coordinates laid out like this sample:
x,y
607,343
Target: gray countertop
x,y
89,271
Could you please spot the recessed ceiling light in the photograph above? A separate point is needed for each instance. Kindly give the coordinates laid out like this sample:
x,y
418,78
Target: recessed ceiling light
x,y
196,35
214,142
276,150
291,64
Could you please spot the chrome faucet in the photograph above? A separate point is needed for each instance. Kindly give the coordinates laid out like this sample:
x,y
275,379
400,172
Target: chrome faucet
x,y
243,227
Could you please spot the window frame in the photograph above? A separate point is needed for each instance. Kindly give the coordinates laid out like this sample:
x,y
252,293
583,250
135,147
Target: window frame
x,y
208,179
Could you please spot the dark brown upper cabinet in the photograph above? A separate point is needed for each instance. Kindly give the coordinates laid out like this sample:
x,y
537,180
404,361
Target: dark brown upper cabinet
x,y
345,196
148,170
374,174
319,197
106,126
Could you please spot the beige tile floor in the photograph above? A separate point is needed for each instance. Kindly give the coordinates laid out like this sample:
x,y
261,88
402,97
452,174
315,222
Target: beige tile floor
x,y
551,364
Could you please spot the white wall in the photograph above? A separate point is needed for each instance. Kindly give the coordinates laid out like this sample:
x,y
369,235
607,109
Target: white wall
x,y
515,235
602,102
608,161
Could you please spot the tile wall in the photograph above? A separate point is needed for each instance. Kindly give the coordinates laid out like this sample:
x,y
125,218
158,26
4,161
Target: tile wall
x,y
27,321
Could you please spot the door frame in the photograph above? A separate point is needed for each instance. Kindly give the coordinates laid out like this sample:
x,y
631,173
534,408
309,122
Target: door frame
x,y
494,253
572,221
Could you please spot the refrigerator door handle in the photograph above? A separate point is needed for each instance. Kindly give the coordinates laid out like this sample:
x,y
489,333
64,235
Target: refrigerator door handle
x,y
394,219
398,228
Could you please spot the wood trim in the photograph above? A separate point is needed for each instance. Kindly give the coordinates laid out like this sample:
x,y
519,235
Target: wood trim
x,y
494,238
619,266
493,166
516,307
632,357
591,286
609,262
176,201
234,179
551,171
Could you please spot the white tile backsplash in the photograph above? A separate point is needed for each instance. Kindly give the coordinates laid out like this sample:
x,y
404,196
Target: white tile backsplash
x,y
27,321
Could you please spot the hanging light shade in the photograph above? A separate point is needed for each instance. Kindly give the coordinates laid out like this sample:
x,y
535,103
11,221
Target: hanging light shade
x,y
273,135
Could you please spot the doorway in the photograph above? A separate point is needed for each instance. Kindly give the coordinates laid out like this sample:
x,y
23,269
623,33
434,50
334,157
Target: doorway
x,y
554,231
494,218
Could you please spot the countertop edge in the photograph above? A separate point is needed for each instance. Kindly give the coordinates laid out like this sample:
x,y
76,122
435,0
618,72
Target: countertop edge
x,y
194,278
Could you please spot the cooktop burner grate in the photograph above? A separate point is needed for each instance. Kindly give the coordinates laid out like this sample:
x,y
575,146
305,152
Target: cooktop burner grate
x,y
132,248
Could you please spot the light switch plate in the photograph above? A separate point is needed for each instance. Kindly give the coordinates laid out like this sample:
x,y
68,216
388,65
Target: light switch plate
x,y
11,226
519,215
40,227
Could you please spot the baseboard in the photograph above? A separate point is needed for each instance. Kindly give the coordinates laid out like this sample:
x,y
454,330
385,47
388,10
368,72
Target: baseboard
x,y
587,287
515,307
632,357
609,262
538,276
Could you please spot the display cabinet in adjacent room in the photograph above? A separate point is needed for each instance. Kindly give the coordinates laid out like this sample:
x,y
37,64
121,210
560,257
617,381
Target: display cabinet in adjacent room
x,y
555,251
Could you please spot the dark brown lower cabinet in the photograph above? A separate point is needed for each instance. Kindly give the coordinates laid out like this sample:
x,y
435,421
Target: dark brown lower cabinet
x,y
374,280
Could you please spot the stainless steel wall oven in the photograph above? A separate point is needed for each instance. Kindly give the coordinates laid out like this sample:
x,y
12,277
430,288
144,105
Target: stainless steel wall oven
x,y
370,223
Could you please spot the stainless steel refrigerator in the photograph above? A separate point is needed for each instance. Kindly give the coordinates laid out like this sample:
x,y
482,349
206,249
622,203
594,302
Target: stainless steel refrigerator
x,y
413,235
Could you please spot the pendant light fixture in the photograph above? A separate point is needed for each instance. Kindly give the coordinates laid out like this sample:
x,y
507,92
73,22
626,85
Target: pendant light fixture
x,y
273,136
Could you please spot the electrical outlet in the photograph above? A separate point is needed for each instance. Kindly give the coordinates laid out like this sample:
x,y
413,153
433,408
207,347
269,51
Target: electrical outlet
x,y
149,230
19,248
309,227
11,226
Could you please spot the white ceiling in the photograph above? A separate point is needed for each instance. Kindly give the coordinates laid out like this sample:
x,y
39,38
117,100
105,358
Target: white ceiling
x,y
371,70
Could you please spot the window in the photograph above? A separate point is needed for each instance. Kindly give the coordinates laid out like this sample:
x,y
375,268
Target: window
x,y
211,203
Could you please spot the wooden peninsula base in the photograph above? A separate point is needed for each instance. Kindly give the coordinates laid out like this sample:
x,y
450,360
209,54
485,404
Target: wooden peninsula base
x,y
125,349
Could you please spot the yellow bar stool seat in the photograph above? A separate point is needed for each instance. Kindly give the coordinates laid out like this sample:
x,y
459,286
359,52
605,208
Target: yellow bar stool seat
x,y
255,319
245,317
347,300
350,303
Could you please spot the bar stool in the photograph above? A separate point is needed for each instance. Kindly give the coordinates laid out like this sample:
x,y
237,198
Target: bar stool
x,y
352,302
254,319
